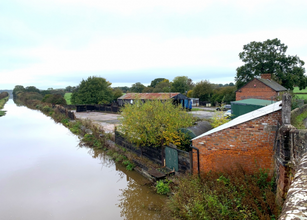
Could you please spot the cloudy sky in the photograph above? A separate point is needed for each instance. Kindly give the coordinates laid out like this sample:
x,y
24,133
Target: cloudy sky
x,y
56,43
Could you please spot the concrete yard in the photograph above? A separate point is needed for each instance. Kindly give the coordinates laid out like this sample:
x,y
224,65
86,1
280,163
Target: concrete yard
x,y
105,120
108,121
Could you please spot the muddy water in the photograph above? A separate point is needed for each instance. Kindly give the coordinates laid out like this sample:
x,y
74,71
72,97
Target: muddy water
x,y
45,175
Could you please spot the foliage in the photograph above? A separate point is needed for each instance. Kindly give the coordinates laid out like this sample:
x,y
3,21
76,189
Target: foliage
x,y
137,87
3,95
156,81
203,90
298,121
32,89
163,86
218,119
67,97
94,90
270,57
2,103
162,187
54,99
154,122
17,89
223,95
232,194
182,84
129,166
117,93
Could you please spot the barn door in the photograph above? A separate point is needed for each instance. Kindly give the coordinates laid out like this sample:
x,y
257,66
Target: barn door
x,y
171,158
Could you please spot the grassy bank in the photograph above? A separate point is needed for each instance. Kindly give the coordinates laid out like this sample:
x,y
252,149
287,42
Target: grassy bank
x,y
228,195
2,103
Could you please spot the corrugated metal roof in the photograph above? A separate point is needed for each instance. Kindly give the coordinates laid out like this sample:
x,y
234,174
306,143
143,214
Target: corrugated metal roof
x,y
272,84
148,96
246,117
261,102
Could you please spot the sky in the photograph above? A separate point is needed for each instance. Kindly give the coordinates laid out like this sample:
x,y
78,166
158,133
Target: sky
x,y
57,43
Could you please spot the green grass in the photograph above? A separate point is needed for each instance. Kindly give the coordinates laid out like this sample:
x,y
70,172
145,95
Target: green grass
x,y
298,121
196,109
67,97
301,96
297,90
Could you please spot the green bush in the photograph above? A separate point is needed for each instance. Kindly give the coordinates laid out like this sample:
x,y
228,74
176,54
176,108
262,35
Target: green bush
x,y
54,99
129,166
163,187
47,109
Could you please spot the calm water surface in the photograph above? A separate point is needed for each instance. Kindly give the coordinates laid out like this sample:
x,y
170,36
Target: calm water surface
x,y
45,175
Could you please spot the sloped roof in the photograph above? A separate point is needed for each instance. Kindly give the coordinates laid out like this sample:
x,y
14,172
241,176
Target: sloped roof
x,y
261,102
246,117
149,96
272,84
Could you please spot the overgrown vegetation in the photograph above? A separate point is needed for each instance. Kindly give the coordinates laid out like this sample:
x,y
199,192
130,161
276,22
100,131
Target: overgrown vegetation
x,y
162,187
298,122
2,103
218,119
154,123
67,97
228,195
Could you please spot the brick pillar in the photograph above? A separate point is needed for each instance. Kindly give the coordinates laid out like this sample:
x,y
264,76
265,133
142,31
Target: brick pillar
x,y
283,150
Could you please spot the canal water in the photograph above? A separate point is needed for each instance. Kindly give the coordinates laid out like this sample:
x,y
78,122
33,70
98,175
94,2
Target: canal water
x,y
44,174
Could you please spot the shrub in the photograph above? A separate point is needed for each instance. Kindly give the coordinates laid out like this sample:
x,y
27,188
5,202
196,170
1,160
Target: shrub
x,y
228,195
54,99
47,109
163,187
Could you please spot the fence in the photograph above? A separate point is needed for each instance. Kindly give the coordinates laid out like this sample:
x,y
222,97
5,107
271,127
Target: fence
x,y
155,154
63,110
99,108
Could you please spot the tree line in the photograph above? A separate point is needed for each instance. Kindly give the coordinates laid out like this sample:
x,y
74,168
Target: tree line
x,y
258,57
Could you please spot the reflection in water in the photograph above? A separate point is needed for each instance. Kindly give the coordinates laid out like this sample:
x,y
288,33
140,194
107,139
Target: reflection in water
x,y
44,176
137,201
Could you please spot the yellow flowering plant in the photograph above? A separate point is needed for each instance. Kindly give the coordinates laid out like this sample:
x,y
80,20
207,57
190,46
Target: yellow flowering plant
x,y
154,122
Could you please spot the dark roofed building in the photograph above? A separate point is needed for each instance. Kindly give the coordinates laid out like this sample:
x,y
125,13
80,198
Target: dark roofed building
x,y
260,88
177,98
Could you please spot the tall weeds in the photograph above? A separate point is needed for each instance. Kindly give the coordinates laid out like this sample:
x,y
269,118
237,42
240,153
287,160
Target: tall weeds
x,y
227,195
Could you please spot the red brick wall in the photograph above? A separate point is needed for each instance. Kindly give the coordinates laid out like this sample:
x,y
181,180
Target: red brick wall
x,y
246,144
255,90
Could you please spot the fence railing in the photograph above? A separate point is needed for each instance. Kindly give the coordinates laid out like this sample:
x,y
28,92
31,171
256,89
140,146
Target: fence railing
x,y
100,108
155,154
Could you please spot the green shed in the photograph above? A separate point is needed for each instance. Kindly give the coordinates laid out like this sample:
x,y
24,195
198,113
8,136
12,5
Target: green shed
x,y
247,105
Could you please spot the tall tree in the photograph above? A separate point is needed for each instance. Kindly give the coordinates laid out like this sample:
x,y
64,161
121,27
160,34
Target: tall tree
x,y
156,81
270,57
137,87
182,84
163,86
94,90
203,90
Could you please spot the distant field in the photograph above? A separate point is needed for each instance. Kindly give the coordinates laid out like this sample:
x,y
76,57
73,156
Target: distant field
x,y
301,96
67,97
297,90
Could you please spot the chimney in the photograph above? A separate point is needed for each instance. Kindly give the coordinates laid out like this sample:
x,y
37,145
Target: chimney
x,y
266,76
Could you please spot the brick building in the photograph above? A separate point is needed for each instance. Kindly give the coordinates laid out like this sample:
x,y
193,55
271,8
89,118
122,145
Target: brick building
x,y
246,140
260,88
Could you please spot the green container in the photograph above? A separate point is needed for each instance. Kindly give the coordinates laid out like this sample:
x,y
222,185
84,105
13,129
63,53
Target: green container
x,y
242,107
